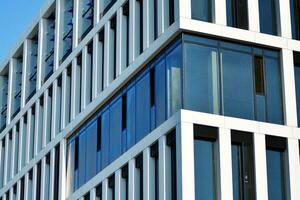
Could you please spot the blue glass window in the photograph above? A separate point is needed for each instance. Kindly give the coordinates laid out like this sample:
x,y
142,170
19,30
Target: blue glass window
x,y
295,18
67,34
173,65
242,165
143,106
297,83
202,10
86,17
269,16
237,13
276,167
205,162
115,130
130,117
105,138
238,100
160,91
201,83
91,149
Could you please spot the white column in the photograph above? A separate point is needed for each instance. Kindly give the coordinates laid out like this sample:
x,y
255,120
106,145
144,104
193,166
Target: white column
x,y
108,55
289,87
62,171
96,11
6,160
22,148
51,184
253,15
28,136
58,33
76,16
37,128
41,41
148,175
185,161
224,144
120,186
86,78
260,166
34,182
43,178
47,118
98,65
13,158
10,91
147,29
294,168
1,162
285,19
185,8
220,12
164,168
75,88
132,179
132,30
18,197
106,195
26,56
56,109
121,42
65,98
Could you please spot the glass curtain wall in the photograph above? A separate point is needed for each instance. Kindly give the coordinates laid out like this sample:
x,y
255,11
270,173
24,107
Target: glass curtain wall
x,y
128,117
212,70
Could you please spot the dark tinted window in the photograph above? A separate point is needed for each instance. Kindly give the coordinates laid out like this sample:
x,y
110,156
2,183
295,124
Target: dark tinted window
x,y
237,13
269,16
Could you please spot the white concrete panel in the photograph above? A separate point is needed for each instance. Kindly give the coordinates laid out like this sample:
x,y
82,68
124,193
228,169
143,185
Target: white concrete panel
x,y
253,15
294,168
185,161
260,166
285,18
224,144
220,12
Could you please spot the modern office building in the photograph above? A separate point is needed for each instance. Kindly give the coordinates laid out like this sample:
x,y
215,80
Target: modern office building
x,y
153,100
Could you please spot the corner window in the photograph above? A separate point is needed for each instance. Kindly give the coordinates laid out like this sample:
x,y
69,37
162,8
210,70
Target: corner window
x,y
269,17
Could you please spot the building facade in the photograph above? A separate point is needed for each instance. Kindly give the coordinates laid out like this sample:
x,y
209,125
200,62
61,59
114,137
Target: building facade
x,y
153,100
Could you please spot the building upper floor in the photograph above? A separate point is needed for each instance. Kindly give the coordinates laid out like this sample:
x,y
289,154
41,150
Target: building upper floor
x,y
131,64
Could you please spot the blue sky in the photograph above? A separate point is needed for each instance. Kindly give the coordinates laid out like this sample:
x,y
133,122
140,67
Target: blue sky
x,y
15,18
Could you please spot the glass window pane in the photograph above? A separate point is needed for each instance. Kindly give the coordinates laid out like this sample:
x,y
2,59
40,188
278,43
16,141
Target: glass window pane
x,y
70,167
201,79
91,149
160,92
297,83
269,16
173,64
274,91
238,100
202,10
130,127
82,158
236,171
204,170
115,134
295,18
275,175
105,138
143,107
237,13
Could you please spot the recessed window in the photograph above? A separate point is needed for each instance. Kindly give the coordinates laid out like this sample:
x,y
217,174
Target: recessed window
x,y
269,17
295,18
297,82
202,10
242,165
276,167
205,155
237,13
